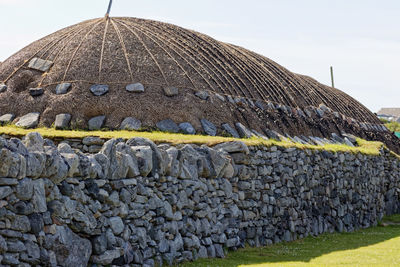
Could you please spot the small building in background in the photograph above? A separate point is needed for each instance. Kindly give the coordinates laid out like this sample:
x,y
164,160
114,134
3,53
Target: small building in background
x,y
390,114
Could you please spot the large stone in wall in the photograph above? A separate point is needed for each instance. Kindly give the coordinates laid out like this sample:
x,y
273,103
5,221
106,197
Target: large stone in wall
x,y
12,164
233,147
5,191
17,146
20,223
69,248
122,160
34,142
104,163
70,157
173,166
24,189
190,162
157,158
5,160
35,164
96,169
215,163
132,161
56,167
144,155
39,198
164,159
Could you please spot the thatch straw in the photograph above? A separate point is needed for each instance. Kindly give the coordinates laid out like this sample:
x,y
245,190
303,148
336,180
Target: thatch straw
x,y
121,51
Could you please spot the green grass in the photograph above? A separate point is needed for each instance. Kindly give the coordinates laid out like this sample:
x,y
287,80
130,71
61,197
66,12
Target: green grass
x,y
366,147
392,125
376,246
392,219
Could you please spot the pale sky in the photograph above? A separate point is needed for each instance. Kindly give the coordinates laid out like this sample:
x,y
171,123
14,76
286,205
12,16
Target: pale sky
x,y
360,38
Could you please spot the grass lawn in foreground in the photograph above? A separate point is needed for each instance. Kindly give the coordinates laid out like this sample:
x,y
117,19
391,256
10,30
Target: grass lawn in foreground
x,y
376,246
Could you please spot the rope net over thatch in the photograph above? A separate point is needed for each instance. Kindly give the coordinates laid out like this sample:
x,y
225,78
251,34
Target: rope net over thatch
x,y
121,51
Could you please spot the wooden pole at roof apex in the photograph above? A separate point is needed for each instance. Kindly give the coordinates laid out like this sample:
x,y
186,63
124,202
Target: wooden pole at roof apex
x,y
109,9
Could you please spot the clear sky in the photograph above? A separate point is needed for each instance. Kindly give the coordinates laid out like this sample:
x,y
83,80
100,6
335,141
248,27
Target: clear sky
x,y
360,38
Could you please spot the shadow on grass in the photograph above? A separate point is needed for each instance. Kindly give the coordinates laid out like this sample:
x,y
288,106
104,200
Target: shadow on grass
x,y
304,250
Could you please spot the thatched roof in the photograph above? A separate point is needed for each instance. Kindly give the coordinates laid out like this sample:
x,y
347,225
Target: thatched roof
x,y
121,51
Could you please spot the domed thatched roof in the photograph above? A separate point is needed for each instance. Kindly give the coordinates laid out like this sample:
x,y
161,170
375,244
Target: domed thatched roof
x,y
232,84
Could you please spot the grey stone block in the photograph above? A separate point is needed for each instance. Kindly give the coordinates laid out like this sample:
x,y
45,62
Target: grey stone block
x,y
131,124
227,128
96,123
171,91
62,121
187,128
208,127
62,88
135,88
30,120
99,89
243,131
40,64
7,118
36,91
3,88
167,125
202,95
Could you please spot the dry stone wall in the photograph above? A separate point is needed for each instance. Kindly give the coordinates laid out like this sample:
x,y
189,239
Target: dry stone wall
x,y
142,204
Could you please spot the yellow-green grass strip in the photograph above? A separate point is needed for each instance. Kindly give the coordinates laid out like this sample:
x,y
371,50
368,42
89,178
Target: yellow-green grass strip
x,y
365,147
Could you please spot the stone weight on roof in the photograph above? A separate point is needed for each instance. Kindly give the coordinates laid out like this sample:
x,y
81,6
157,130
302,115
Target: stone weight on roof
x,y
30,120
99,89
62,121
131,124
96,123
40,64
135,88
63,88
